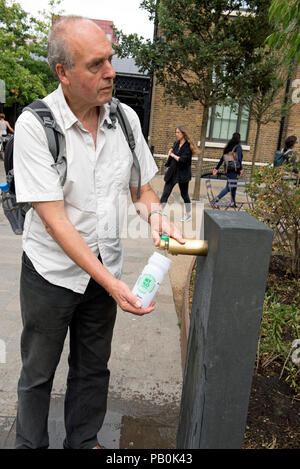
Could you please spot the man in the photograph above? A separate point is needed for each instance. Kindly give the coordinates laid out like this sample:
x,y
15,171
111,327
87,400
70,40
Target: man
x,y
72,261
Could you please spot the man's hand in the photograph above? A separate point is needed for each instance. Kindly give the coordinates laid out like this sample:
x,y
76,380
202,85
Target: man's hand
x,y
215,171
161,224
127,301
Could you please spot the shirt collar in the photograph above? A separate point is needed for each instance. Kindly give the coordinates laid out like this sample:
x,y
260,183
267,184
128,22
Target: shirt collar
x,y
69,117
106,115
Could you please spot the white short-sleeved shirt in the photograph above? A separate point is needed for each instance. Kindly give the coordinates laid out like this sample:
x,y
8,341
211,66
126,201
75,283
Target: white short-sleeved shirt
x,y
95,191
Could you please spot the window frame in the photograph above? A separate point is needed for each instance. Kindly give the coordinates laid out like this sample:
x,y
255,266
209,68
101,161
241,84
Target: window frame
x,y
211,122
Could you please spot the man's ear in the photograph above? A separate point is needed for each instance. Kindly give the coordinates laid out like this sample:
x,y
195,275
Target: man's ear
x,y
62,74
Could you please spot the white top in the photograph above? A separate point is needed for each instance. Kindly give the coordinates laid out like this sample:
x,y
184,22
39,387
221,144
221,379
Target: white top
x,y
3,130
95,191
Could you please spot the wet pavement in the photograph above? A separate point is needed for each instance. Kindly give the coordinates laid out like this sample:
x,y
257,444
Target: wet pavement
x,y
127,425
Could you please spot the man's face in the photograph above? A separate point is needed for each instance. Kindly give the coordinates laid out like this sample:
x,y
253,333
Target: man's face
x,y
90,81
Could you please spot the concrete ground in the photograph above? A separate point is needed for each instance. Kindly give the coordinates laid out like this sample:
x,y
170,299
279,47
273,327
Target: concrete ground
x,y
145,364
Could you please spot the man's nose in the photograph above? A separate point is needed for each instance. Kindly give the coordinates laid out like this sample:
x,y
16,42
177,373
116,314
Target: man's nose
x,y
109,70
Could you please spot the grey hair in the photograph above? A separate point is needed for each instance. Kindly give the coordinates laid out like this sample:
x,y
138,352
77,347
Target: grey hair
x,y
59,49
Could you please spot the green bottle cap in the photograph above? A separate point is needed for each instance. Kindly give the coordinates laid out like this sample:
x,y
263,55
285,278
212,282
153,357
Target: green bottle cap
x,y
164,237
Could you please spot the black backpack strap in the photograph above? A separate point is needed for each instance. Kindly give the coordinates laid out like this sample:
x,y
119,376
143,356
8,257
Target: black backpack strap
x,y
117,112
113,112
44,114
54,134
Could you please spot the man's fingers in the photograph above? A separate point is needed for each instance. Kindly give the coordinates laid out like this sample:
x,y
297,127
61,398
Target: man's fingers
x,y
137,311
130,303
156,237
178,236
174,231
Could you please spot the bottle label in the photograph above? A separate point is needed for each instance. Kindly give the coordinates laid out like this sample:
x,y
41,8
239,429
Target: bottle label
x,y
146,283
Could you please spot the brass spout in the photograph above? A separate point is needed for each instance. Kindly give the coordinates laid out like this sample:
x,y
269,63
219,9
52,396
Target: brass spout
x,y
193,247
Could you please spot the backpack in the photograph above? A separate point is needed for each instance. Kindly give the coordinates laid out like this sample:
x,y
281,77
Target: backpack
x,y
230,161
279,158
15,212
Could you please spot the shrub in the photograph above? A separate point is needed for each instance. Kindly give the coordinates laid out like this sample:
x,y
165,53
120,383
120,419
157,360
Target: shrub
x,y
276,196
280,328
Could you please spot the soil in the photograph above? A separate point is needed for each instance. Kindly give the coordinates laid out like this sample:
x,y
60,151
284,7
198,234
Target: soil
x,y
273,413
273,420
274,409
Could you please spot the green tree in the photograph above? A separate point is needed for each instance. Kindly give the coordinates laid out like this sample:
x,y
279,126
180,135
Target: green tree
x,y
23,52
286,17
261,93
200,46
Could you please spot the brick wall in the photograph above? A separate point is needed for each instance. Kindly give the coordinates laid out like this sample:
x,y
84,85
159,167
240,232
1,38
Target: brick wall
x,y
293,122
165,117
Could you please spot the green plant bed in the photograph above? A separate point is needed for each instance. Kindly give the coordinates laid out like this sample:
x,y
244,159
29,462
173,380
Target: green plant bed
x,y
280,325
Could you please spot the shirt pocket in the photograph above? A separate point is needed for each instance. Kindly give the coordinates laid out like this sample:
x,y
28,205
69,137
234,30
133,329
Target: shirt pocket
x,y
79,187
123,163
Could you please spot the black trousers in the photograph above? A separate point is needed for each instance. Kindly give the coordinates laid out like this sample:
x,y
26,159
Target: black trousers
x,y
47,313
184,192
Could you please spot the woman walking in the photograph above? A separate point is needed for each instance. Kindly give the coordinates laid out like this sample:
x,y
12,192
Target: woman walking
x,y
179,169
232,159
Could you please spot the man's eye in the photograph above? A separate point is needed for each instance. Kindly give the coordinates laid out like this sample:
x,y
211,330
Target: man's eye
x,y
95,66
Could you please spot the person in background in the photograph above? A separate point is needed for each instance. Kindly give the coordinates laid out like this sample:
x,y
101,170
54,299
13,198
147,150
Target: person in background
x,y
179,169
4,126
233,170
289,152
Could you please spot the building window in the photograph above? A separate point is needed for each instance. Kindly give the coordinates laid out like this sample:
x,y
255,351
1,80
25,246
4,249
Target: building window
x,y
108,35
224,121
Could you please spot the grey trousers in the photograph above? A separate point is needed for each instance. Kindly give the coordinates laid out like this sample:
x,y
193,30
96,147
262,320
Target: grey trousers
x,y
47,313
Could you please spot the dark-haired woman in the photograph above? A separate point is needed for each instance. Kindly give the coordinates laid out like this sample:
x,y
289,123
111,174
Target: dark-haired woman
x,y
288,152
179,169
231,168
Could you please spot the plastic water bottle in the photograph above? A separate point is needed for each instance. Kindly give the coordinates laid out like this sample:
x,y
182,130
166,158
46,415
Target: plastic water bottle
x,y
151,278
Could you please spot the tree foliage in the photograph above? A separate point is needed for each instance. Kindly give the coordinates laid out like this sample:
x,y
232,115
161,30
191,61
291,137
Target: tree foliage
x,y
262,93
23,52
286,17
201,45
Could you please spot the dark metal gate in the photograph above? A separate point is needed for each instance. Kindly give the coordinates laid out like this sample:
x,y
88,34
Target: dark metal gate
x,y
136,92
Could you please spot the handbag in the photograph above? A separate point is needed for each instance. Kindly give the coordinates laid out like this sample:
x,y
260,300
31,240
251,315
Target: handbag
x,y
230,161
169,173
